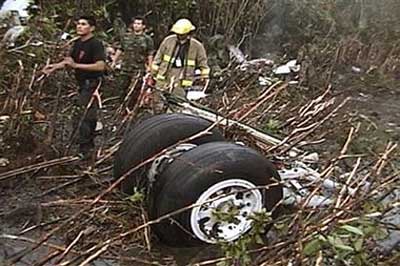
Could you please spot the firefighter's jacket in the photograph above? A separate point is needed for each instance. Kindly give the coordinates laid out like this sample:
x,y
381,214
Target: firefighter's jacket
x,y
195,58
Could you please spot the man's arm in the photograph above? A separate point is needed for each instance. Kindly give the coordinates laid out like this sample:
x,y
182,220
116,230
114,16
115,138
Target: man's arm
x,y
118,53
100,65
156,61
48,69
150,53
202,63
149,63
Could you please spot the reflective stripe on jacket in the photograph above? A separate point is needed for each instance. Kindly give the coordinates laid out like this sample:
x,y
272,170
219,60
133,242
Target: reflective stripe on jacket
x,y
195,58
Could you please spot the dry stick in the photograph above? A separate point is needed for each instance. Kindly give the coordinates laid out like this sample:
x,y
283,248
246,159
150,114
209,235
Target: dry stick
x,y
95,255
265,98
14,101
34,167
60,186
279,245
124,103
73,260
303,110
54,114
254,120
328,80
384,158
319,108
311,127
123,259
47,258
77,202
57,177
347,143
108,154
146,232
327,170
347,183
327,117
32,241
68,249
127,119
39,225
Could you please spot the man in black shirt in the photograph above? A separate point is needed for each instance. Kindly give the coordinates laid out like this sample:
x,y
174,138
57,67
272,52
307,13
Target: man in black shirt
x,y
87,57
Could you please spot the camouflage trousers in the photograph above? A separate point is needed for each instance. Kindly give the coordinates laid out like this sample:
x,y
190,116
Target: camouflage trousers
x,y
84,117
125,81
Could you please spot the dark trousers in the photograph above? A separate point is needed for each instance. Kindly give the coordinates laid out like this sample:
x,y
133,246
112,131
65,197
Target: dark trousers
x,y
86,117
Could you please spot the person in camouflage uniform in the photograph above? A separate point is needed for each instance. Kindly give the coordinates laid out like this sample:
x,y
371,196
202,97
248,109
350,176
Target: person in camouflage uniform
x,y
136,48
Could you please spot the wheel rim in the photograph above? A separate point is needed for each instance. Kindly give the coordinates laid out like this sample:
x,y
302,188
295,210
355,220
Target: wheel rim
x,y
228,216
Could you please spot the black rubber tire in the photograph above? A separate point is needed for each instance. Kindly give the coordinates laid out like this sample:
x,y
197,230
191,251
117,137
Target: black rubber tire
x,y
192,173
152,136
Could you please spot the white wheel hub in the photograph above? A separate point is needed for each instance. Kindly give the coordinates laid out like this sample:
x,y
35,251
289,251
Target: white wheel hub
x,y
227,217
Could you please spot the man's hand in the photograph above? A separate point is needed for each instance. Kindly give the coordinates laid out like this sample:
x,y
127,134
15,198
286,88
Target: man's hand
x,y
48,69
68,61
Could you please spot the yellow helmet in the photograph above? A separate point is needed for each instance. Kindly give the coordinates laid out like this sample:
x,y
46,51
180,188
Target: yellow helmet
x,y
183,26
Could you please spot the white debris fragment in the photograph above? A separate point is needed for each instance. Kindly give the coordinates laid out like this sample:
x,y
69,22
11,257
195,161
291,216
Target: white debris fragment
x,y
282,70
15,5
310,158
287,68
195,95
99,126
4,118
264,81
12,34
236,53
65,36
4,162
356,69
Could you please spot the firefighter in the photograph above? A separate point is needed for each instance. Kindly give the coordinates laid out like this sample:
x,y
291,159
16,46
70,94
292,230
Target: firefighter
x,y
176,60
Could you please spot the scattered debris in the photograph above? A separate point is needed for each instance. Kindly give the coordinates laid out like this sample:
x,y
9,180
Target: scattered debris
x,y
4,162
289,67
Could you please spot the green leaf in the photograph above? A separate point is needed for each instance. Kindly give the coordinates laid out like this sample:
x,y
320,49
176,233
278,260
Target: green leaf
x,y
358,244
312,247
352,229
381,234
136,197
344,247
259,239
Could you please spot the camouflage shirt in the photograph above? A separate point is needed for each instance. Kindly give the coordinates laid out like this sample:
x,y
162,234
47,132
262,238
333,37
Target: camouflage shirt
x,y
136,50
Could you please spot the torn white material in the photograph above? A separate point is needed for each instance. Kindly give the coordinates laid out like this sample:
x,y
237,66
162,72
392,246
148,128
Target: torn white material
x,y
17,5
12,34
263,81
195,95
4,162
99,126
236,53
287,68
355,69
65,36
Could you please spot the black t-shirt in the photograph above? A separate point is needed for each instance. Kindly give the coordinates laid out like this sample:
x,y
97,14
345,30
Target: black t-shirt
x,y
88,52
